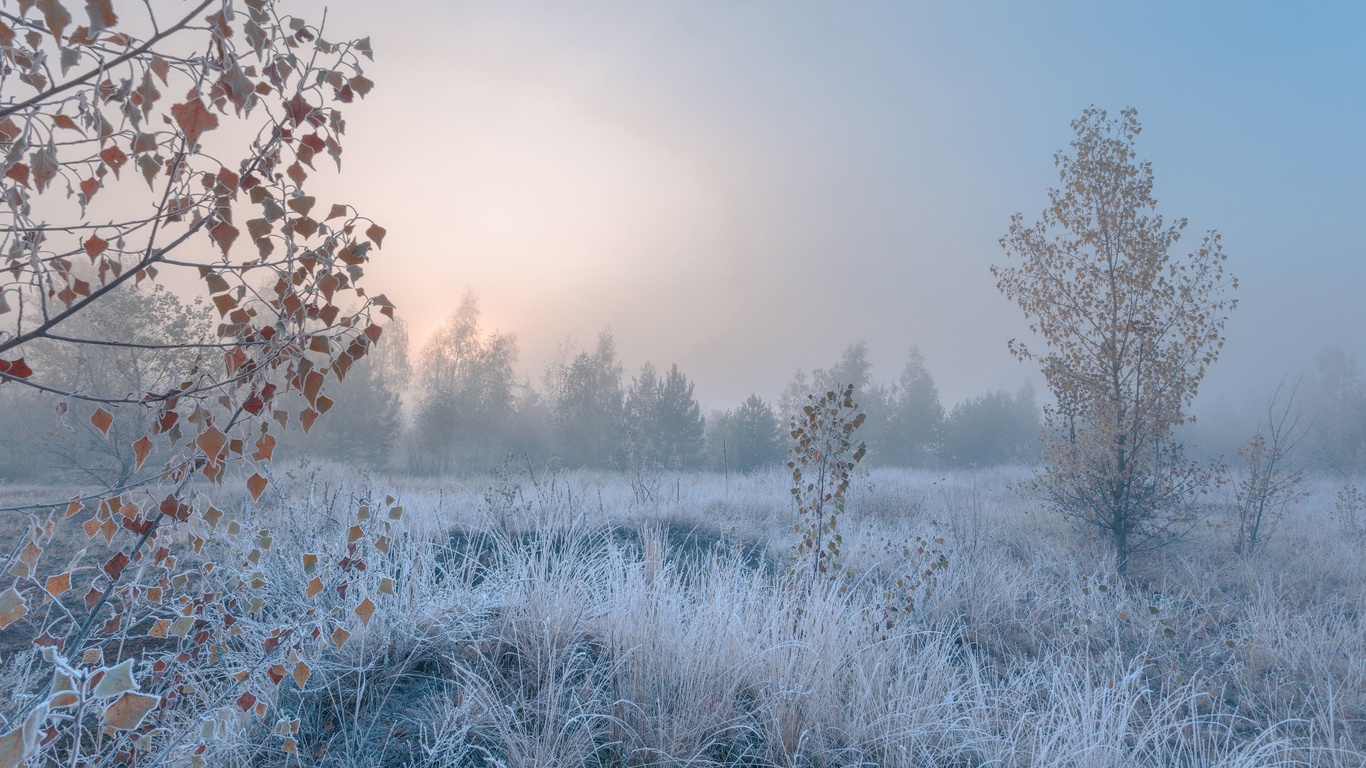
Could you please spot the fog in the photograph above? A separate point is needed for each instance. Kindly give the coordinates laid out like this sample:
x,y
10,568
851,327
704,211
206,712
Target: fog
x,y
745,190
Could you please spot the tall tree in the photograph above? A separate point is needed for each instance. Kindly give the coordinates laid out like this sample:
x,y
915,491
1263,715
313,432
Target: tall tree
x,y
1129,329
465,387
679,421
663,421
587,402
913,431
640,415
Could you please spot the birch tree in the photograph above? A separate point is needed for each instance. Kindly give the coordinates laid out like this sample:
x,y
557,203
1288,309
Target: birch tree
x,y
1128,327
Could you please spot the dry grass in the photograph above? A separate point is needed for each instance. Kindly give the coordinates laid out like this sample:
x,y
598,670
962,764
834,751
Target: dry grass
x,y
561,620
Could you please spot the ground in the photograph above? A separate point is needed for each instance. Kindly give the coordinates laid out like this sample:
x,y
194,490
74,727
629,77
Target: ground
x,y
582,619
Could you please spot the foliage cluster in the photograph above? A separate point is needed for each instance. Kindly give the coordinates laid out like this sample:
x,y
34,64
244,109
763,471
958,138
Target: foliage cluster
x,y
1128,330
822,458
162,620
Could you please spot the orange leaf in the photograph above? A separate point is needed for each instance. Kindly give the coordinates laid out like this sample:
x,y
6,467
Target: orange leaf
x,y
102,421
18,172
301,205
211,442
215,282
301,674
257,485
340,637
58,584
95,245
365,610
193,118
265,446
56,17
225,303
141,449
361,84
224,234
114,158
315,586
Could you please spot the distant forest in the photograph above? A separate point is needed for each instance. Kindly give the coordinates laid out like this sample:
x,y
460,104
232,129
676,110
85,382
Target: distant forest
x,y
460,408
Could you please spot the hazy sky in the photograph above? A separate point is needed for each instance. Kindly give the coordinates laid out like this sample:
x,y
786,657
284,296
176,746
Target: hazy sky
x,y
744,188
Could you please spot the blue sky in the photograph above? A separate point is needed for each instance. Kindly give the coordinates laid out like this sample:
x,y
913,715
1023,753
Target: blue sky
x,y
745,188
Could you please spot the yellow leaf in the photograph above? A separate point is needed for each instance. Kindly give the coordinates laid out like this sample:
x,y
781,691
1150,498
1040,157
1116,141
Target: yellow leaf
x,y
128,710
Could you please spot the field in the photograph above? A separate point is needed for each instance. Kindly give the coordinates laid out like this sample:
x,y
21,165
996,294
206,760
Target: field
x,y
567,619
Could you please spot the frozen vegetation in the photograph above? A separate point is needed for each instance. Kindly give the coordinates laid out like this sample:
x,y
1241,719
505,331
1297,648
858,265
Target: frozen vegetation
x,y
567,619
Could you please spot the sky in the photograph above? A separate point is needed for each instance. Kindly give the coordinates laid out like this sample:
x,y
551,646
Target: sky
x,y
745,188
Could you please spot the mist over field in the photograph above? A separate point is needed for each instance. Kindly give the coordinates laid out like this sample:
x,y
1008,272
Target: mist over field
x,y
694,384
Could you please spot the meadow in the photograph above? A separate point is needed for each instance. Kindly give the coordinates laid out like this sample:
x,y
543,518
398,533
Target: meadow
x,y
575,618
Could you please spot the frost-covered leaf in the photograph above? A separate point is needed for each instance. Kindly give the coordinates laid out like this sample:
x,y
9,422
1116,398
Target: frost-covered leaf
x,y
21,743
116,680
301,673
194,119
365,610
257,485
141,449
12,607
57,585
128,710
102,420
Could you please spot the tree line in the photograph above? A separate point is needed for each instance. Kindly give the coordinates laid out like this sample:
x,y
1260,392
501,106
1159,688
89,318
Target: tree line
x,y
459,406
469,410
